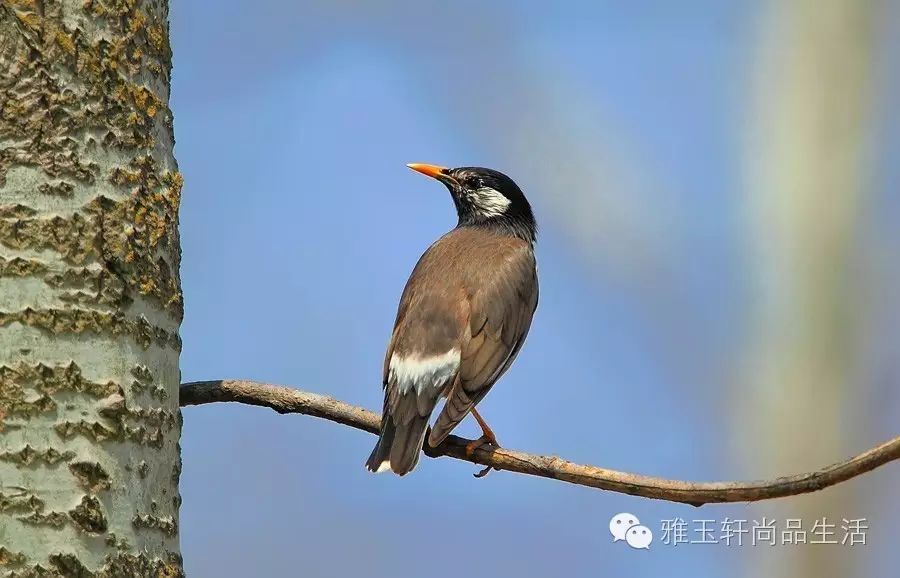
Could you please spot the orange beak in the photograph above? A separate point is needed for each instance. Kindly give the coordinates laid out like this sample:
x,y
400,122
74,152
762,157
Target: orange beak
x,y
432,171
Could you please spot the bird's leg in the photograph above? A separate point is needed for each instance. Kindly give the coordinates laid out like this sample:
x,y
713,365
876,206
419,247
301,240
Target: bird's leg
x,y
487,436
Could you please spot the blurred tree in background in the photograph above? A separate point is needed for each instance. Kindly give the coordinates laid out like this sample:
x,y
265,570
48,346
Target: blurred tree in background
x,y
807,184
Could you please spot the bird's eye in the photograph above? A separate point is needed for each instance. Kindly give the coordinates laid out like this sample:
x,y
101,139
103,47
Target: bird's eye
x,y
472,182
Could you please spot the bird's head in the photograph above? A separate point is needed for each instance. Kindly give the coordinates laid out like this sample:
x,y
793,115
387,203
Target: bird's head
x,y
485,197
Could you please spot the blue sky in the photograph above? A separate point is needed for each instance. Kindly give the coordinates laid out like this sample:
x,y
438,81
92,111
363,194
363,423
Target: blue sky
x,y
300,225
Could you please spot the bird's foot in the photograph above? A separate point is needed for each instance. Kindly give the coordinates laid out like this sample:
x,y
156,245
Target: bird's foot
x,y
475,444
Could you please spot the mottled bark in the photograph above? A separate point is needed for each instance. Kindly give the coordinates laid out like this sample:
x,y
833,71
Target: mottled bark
x,y
90,299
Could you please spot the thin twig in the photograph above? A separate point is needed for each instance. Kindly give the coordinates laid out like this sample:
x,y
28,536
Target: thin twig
x,y
287,400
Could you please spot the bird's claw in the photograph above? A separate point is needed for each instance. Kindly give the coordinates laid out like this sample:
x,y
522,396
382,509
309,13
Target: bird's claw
x,y
474,445
483,472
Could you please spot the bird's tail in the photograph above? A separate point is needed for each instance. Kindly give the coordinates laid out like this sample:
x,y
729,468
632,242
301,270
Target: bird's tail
x,y
398,445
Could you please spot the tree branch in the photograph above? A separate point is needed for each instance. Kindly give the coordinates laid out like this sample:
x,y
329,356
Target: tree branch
x,y
287,400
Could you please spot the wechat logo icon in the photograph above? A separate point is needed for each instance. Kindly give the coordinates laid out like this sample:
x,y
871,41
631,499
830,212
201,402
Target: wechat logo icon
x,y
628,528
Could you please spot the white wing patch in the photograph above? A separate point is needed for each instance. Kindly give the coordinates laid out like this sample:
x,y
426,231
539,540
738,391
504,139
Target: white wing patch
x,y
489,202
422,373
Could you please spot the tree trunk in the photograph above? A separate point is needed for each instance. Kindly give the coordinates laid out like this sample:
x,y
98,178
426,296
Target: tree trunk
x,y
90,298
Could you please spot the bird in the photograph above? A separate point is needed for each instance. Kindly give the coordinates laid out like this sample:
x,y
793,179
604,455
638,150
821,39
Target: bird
x,y
462,319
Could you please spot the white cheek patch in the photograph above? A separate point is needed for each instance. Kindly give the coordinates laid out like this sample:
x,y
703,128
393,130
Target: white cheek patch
x,y
423,373
489,202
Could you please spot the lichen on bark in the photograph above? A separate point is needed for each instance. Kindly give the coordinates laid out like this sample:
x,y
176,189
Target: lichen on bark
x,y
90,297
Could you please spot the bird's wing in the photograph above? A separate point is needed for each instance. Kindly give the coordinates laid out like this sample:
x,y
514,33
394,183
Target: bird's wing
x,y
500,315
422,360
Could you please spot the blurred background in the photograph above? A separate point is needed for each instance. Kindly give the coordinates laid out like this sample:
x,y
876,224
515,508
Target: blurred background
x,y
716,185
